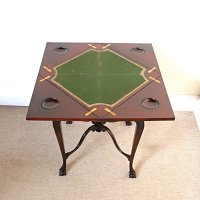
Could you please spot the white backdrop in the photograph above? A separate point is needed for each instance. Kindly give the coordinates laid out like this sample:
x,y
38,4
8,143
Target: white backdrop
x,y
25,26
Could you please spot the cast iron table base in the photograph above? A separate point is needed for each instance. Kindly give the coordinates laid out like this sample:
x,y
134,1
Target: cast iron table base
x,y
99,127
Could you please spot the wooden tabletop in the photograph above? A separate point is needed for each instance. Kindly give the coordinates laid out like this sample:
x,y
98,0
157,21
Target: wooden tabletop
x,y
99,82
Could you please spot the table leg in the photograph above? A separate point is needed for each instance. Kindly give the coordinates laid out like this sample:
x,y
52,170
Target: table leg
x,y
138,133
59,136
65,155
99,127
69,122
128,123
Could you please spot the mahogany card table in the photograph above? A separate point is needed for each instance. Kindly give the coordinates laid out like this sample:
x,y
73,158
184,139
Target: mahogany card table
x,y
99,83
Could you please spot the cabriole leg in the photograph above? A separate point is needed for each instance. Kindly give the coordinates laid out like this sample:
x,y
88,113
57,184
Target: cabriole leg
x,y
138,133
59,136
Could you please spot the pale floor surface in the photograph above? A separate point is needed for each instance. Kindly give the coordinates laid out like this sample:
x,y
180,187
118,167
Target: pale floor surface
x,y
167,161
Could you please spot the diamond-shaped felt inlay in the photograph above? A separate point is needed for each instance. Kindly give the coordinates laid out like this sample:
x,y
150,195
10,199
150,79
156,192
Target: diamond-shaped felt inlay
x,y
99,77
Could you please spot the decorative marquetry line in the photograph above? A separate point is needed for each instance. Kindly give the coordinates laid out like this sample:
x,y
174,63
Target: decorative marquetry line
x,y
92,46
108,110
151,70
46,68
157,81
106,46
91,111
45,78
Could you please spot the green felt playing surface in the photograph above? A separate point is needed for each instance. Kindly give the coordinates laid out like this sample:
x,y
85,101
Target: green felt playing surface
x,y
99,77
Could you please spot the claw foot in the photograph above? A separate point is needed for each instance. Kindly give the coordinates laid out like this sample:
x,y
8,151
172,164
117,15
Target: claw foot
x,y
132,174
62,171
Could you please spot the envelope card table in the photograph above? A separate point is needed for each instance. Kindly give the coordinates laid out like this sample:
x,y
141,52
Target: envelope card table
x,y
99,83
